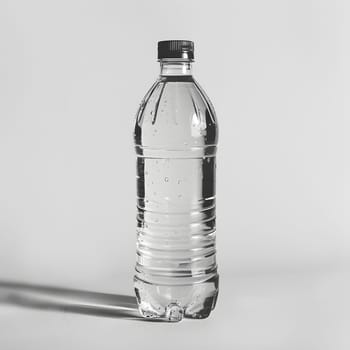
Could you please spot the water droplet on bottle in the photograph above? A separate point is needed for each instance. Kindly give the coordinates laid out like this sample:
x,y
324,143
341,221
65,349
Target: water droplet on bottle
x,y
178,182
166,179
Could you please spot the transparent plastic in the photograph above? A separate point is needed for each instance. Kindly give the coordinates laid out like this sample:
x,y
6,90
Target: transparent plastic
x,y
175,139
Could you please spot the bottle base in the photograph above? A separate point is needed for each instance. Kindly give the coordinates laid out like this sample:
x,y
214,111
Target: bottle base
x,y
172,303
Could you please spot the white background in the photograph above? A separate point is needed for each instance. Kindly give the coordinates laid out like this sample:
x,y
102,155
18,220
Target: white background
x,y
72,74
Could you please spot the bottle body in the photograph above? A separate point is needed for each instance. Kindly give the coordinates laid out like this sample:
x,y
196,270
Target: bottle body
x,y
175,140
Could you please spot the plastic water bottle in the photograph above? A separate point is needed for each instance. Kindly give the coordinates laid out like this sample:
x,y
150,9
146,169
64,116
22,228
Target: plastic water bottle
x,y
175,139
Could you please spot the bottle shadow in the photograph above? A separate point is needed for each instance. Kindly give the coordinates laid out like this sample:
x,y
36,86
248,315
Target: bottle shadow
x,y
69,300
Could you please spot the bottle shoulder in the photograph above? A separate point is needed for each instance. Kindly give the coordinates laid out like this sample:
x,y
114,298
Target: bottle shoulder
x,y
175,111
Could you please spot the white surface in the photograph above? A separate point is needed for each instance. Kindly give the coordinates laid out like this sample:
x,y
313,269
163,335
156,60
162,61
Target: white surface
x,y
265,310
72,74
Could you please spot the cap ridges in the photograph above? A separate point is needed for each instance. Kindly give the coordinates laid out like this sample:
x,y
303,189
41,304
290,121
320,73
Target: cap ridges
x,y
176,49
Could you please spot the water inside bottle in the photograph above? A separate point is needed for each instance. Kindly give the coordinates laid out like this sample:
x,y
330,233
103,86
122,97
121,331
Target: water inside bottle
x,y
175,139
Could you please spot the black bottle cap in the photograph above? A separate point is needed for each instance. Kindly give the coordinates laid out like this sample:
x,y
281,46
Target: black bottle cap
x,y
176,49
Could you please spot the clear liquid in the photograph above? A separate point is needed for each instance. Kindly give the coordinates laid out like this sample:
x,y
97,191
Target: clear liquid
x,y
175,137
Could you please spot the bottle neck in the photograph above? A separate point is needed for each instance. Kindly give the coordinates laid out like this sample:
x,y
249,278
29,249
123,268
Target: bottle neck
x,y
175,67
